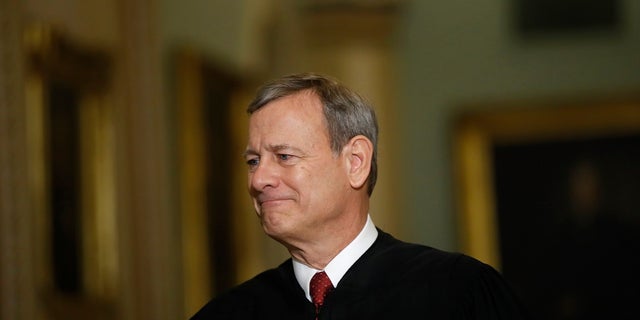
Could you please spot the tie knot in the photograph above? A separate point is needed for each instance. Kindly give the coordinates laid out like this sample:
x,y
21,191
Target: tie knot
x,y
319,288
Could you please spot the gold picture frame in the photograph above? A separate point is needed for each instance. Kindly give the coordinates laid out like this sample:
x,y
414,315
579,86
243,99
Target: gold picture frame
x,y
476,132
209,121
70,117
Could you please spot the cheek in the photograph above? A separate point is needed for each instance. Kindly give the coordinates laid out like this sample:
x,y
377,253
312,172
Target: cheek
x,y
303,182
316,182
324,182
250,184
299,178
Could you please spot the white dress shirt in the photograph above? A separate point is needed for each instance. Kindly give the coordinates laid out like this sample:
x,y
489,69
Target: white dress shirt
x,y
342,262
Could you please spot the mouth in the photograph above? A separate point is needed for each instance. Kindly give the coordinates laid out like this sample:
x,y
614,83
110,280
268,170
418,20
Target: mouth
x,y
265,202
270,202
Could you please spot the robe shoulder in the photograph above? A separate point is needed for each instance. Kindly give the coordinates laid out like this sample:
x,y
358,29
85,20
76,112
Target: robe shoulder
x,y
273,289
392,280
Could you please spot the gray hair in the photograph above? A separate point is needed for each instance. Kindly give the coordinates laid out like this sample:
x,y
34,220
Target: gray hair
x,y
347,114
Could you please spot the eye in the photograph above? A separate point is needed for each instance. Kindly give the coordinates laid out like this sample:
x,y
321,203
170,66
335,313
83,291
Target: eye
x,y
252,162
286,159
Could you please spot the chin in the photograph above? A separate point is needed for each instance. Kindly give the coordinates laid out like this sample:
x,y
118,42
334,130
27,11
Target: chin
x,y
272,227
275,228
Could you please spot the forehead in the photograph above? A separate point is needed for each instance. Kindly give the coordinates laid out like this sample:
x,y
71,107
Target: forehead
x,y
298,117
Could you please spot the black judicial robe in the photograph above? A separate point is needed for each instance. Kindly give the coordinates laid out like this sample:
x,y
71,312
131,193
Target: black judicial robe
x,y
392,280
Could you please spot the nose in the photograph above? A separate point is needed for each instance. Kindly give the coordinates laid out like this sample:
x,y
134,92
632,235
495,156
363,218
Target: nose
x,y
265,175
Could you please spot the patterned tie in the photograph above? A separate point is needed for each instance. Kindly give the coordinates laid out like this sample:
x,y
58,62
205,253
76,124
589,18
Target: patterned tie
x,y
320,287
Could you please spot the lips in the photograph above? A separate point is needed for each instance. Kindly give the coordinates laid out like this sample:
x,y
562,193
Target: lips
x,y
270,200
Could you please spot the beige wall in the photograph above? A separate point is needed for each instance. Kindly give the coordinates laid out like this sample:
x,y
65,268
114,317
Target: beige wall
x,y
457,53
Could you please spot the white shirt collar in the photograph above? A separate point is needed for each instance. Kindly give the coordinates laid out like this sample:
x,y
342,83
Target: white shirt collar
x,y
341,262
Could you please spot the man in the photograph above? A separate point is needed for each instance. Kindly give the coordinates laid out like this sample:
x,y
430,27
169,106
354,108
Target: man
x,y
311,158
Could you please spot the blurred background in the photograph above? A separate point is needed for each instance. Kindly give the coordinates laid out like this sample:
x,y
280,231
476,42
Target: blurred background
x,y
510,131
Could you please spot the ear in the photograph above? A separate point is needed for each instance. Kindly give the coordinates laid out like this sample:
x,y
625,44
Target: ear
x,y
358,153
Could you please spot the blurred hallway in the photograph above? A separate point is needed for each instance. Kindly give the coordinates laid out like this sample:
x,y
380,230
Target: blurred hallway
x,y
122,124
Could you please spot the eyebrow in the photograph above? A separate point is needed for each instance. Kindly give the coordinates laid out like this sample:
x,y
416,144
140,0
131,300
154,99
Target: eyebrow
x,y
272,148
249,152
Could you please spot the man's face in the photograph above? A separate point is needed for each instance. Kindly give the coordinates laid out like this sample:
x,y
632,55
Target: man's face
x,y
298,185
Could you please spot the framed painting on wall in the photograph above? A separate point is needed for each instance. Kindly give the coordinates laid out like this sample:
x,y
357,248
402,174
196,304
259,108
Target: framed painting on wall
x,y
550,195
72,167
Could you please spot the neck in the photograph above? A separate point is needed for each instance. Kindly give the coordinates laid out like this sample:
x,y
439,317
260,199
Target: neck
x,y
317,254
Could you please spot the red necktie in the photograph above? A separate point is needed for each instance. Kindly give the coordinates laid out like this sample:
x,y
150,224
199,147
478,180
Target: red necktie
x,y
320,287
